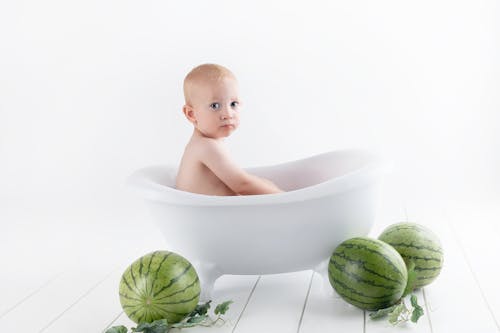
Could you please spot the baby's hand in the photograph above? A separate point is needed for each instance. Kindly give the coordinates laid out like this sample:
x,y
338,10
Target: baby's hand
x,y
215,157
267,181
270,183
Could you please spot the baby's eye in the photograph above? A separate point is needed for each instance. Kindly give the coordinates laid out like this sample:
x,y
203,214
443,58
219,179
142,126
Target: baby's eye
x,y
215,106
234,104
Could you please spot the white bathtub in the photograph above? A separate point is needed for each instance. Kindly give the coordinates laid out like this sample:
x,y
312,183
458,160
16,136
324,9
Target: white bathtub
x,y
330,197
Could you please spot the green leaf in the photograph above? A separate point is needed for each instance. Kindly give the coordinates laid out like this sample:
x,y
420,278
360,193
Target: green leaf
x,y
414,300
201,309
222,308
191,322
157,326
117,329
395,317
184,324
412,279
418,311
197,319
382,312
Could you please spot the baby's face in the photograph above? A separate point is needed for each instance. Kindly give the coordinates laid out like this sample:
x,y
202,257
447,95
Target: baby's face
x,y
216,108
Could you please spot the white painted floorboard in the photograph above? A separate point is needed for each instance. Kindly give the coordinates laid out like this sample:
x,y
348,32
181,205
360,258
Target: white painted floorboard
x,y
329,313
476,226
79,294
454,299
21,290
93,312
276,304
51,302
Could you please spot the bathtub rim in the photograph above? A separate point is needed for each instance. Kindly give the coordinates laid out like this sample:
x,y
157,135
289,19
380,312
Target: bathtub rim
x,y
370,173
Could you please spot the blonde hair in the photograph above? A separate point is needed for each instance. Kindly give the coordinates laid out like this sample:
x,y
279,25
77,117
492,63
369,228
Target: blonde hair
x,y
204,73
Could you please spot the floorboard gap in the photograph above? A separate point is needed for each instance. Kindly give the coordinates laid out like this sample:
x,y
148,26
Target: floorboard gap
x,y
78,300
112,322
467,261
305,303
49,281
248,300
427,310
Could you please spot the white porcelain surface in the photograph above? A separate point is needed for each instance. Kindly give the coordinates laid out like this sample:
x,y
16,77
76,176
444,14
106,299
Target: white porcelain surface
x,y
330,197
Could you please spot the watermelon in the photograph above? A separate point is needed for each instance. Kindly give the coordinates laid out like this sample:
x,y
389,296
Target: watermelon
x,y
418,244
159,285
367,273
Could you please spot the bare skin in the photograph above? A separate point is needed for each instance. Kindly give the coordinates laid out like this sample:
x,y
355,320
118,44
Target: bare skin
x,y
206,166
194,176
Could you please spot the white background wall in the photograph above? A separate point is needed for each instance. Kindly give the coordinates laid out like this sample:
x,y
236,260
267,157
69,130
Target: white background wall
x,y
92,90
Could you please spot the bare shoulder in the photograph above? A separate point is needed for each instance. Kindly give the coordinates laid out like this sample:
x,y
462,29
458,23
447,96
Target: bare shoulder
x,y
204,147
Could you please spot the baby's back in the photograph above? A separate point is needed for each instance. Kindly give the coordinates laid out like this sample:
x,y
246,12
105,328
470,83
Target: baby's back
x,y
194,176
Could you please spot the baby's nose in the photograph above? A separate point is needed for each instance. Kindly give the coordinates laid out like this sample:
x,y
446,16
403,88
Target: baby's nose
x,y
226,113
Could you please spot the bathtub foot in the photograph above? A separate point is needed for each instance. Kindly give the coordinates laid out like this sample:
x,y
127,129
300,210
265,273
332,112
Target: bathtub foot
x,y
208,273
322,270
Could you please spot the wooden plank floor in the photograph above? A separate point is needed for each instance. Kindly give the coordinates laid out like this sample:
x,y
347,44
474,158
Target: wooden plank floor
x,y
77,291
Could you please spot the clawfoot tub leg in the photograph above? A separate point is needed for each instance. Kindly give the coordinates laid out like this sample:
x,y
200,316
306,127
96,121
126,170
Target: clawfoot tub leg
x,y
322,270
207,273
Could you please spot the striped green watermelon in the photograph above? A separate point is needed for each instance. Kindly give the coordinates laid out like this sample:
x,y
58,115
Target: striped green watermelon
x,y
367,273
418,244
159,285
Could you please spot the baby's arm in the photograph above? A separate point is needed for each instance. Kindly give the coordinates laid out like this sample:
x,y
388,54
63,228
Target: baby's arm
x,y
214,155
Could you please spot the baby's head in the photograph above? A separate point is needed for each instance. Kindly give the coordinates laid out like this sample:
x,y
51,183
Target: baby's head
x,y
211,100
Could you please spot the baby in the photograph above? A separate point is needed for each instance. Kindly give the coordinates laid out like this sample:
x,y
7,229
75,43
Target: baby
x,y
212,105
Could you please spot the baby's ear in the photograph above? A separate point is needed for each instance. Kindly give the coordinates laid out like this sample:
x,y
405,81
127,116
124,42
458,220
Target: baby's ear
x,y
189,113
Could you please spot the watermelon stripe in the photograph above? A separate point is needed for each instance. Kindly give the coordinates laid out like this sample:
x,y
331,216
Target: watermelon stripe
x,y
342,268
146,291
428,268
150,261
182,290
141,273
178,302
404,227
130,298
140,265
422,258
149,313
354,291
133,313
128,306
133,279
162,309
156,274
372,306
355,246
417,244
161,263
366,248
135,290
359,279
362,264
175,279
142,307
412,246
165,257
370,283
